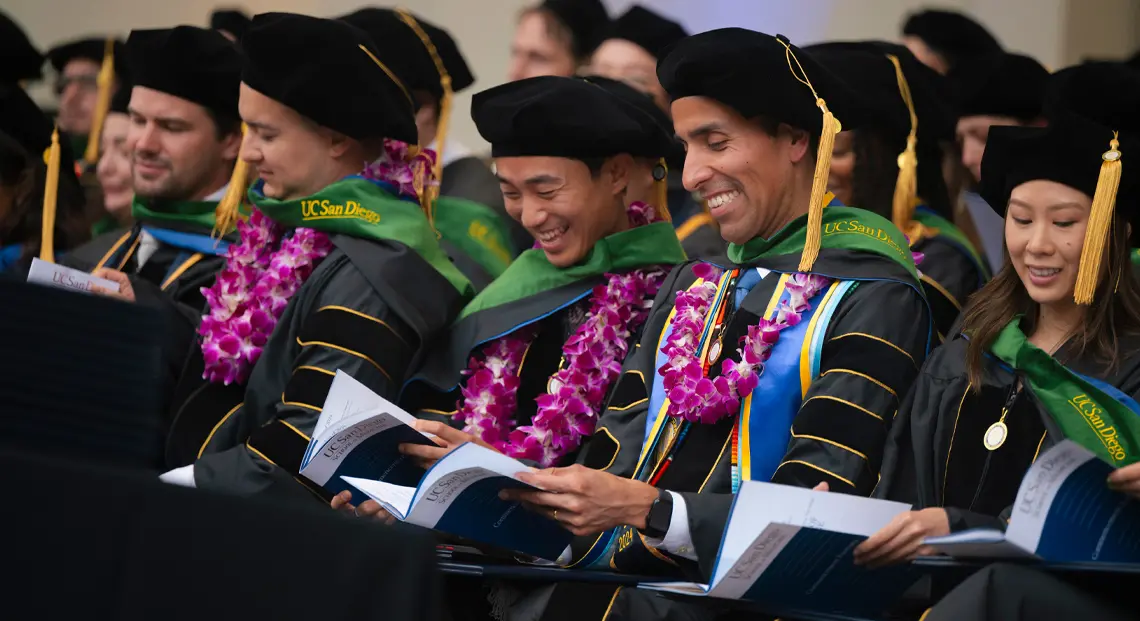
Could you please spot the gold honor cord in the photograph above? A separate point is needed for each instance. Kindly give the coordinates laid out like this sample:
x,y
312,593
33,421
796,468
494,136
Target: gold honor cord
x,y
106,82
51,190
1100,218
831,127
391,76
906,186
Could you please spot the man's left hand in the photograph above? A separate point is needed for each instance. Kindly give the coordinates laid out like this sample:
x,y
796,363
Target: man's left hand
x,y
446,437
586,501
126,291
1126,479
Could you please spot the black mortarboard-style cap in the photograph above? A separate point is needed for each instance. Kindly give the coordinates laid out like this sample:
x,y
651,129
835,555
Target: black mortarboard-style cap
x,y
23,121
564,117
1087,103
752,73
195,64
586,20
90,48
866,65
337,79
953,35
233,21
1003,84
649,30
401,45
639,99
22,61
121,100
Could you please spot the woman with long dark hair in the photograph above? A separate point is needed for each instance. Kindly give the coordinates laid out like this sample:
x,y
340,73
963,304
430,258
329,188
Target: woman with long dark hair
x,y
893,166
1060,320
25,140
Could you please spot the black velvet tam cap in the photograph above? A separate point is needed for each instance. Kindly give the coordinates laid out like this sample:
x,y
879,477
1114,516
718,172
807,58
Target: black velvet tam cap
x,y
586,20
647,29
335,78
565,117
953,35
409,56
233,21
195,64
23,121
1003,84
90,48
756,75
1089,105
22,61
866,65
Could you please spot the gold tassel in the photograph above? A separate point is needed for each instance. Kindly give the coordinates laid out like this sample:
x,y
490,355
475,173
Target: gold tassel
x,y
661,193
51,188
906,185
1100,218
106,82
228,211
831,127
428,202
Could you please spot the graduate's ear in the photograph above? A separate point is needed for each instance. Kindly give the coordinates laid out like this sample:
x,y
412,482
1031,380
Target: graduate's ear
x,y
617,171
339,144
231,146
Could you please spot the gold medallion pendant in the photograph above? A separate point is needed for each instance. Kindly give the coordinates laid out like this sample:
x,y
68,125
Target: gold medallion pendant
x,y
995,435
714,352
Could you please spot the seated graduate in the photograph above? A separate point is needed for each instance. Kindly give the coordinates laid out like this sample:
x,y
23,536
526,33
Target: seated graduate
x,y
825,305
114,168
467,207
337,268
88,73
530,363
36,220
942,40
556,37
630,53
183,137
1060,322
892,166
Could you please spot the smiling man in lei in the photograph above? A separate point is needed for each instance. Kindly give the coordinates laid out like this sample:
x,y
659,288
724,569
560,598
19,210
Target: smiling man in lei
x,y
337,268
530,363
788,365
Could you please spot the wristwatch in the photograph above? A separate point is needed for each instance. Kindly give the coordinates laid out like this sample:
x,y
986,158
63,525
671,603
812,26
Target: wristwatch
x,y
660,515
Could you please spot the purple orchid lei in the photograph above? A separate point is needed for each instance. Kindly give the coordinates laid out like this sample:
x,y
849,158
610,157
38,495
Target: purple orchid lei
x,y
265,269
692,395
593,355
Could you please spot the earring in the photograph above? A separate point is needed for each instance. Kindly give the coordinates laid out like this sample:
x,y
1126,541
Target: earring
x,y
658,172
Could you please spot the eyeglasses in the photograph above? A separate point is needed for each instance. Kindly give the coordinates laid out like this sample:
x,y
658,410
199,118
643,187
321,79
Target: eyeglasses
x,y
85,82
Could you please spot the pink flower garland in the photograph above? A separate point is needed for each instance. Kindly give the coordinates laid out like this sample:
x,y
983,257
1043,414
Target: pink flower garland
x,y
252,291
593,356
692,395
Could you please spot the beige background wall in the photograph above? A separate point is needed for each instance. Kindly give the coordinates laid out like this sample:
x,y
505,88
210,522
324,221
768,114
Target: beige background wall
x,y
1057,32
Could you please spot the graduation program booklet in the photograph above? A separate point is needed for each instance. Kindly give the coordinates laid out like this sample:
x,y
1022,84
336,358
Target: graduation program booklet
x,y
460,495
55,275
790,548
359,434
1064,512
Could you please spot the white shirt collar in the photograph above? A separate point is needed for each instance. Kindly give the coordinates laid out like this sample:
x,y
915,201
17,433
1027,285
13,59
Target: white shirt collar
x,y
219,195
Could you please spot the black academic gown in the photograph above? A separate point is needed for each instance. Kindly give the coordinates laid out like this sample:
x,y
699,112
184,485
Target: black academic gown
x,y
949,277
935,456
471,178
1003,592
170,281
873,349
369,309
